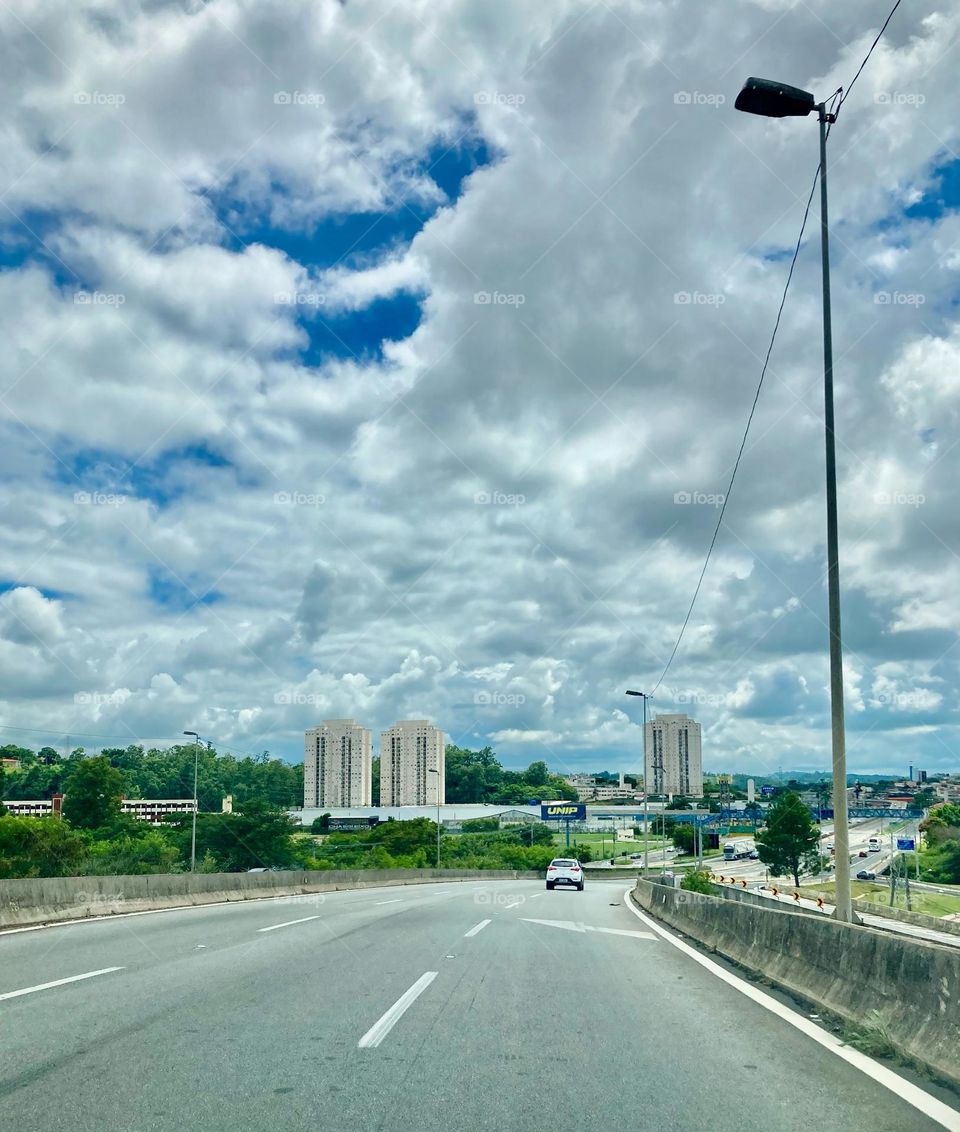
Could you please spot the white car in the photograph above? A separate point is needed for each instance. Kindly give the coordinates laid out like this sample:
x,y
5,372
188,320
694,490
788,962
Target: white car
x,y
565,870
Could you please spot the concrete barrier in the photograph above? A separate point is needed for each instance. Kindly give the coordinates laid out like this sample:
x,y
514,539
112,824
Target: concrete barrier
x,y
909,988
52,899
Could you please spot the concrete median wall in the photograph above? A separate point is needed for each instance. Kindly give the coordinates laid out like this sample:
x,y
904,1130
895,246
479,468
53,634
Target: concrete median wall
x,y
908,987
52,899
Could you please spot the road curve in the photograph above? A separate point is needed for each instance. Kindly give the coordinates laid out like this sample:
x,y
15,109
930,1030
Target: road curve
x,y
450,1006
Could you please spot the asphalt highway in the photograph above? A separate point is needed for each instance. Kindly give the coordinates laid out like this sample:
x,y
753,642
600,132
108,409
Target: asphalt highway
x,y
487,1005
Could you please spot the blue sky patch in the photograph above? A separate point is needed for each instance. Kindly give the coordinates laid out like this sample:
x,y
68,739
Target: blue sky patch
x,y
942,195
161,479
170,592
360,334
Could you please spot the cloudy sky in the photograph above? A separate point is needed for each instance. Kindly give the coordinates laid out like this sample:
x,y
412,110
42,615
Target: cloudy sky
x,y
387,360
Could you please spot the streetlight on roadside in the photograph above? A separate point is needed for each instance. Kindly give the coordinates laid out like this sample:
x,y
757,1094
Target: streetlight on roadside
x,y
196,768
646,785
772,99
430,770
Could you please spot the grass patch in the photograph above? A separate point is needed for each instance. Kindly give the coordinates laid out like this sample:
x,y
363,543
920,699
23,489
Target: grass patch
x,y
870,1037
928,903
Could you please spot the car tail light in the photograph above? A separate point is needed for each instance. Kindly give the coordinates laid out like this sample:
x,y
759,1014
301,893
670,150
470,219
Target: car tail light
x,y
552,869
575,869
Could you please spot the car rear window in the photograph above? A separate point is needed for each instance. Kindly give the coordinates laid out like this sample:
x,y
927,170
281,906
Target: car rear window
x,y
562,863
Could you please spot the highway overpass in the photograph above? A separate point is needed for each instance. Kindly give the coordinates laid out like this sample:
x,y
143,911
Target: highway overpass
x,y
474,1005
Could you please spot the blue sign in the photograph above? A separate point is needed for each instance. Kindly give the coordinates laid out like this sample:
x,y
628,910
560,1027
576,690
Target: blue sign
x,y
768,790
906,843
563,811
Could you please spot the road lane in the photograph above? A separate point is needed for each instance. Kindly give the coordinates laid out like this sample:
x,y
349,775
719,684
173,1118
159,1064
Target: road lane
x,y
523,1026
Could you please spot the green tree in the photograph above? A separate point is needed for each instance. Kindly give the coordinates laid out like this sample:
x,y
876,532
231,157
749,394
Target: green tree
x,y
698,880
925,798
259,836
93,792
684,837
39,847
789,845
3,774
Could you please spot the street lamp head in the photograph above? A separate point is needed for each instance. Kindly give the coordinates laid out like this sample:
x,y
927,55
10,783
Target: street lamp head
x,y
193,733
771,99
630,692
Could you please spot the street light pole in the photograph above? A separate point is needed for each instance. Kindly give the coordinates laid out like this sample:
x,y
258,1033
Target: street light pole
x,y
772,99
196,768
646,785
430,770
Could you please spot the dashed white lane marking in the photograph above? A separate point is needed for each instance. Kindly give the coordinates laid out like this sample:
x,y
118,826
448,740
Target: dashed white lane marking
x,y
396,900
476,929
944,1115
379,1030
288,923
59,982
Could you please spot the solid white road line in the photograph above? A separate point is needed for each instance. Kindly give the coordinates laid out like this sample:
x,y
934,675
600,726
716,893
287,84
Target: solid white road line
x,y
379,903
944,1115
379,1030
59,982
476,929
287,924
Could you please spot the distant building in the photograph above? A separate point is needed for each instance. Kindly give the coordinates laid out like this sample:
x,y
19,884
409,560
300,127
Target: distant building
x,y
145,809
410,751
674,763
337,764
948,790
9,764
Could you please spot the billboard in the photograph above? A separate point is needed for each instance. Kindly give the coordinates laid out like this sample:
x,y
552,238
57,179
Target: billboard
x,y
767,791
563,811
351,825
907,843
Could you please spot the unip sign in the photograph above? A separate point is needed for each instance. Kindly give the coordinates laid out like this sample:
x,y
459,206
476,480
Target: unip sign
x,y
563,811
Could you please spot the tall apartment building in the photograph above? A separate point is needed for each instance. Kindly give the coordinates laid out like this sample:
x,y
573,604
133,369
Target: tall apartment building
x,y
673,759
337,764
409,750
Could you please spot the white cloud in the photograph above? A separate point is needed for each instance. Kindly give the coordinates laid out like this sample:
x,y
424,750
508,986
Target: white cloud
x,y
516,498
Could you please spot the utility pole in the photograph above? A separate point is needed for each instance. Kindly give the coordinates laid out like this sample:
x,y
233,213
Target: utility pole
x,y
646,787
